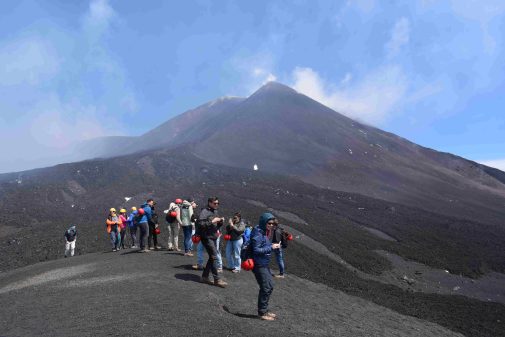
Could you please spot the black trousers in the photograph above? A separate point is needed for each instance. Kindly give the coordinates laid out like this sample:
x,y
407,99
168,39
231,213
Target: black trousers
x,y
152,238
211,266
264,279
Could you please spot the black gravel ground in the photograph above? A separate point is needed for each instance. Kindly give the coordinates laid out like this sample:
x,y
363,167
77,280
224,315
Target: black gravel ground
x,y
156,294
36,213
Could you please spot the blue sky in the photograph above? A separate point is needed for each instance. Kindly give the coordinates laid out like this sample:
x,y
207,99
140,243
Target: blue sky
x,y
430,71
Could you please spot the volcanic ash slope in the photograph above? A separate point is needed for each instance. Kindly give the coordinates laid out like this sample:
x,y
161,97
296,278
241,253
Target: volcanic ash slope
x,y
157,294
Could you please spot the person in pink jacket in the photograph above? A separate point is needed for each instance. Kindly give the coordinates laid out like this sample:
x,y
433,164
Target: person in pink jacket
x,y
124,219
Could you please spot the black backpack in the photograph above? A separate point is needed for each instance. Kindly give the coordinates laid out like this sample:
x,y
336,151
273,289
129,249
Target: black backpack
x,y
169,218
246,251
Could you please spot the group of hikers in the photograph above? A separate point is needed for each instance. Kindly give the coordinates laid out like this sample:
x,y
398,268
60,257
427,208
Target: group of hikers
x,y
246,247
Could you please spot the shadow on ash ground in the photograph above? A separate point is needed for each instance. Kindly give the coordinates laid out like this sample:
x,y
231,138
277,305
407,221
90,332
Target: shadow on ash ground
x,y
129,294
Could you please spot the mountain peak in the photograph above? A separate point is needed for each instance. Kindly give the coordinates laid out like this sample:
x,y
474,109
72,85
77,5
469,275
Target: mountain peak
x,y
274,87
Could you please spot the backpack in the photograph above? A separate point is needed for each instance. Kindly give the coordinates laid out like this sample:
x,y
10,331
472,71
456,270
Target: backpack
x,y
246,251
185,218
169,218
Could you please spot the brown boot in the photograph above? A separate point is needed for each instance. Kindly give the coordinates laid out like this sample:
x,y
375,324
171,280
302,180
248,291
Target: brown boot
x,y
220,283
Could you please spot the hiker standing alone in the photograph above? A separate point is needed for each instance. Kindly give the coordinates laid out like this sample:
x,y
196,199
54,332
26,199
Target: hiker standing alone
x,y
70,236
261,252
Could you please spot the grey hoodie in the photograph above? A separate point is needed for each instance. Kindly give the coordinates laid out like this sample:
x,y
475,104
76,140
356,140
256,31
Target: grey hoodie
x,y
186,213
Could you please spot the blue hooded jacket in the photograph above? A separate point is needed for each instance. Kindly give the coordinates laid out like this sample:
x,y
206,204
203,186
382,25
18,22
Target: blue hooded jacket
x,y
261,245
132,219
147,213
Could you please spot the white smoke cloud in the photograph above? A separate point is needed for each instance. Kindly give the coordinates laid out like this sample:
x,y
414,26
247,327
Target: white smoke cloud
x,y
372,100
399,37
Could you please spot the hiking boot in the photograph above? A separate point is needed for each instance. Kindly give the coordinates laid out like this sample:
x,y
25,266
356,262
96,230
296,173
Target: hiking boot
x,y
206,280
220,283
267,318
197,267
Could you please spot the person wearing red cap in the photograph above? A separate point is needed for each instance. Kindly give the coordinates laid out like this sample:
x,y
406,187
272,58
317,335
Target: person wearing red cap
x,y
174,224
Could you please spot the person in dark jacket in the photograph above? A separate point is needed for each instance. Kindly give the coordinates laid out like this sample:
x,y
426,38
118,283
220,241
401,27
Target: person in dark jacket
x,y
261,252
71,237
234,229
208,227
152,239
278,235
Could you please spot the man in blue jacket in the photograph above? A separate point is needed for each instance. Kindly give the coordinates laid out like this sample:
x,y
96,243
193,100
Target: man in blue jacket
x,y
261,252
143,224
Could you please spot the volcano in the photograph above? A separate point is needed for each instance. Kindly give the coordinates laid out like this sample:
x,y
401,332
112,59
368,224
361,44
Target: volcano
x,y
376,216
284,132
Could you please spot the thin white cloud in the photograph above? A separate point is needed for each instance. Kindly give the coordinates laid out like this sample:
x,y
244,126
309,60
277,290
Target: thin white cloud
x,y
365,6
100,13
371,100
59,125
255,70
52,93
498,163
28,61
483,12
400,36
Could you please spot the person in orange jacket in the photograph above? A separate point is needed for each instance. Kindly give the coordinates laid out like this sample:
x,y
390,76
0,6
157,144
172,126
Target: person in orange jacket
x,y
114,229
